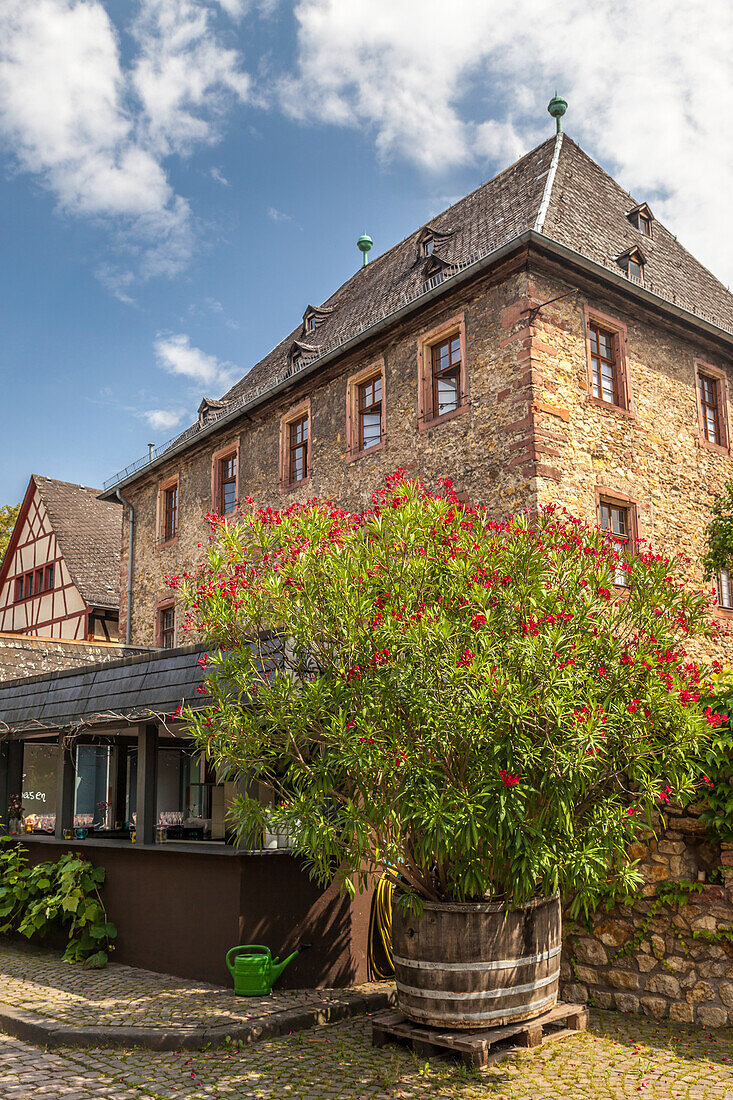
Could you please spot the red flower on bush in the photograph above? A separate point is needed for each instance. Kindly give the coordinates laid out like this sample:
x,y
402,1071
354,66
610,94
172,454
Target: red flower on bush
x,y
464,661
508,779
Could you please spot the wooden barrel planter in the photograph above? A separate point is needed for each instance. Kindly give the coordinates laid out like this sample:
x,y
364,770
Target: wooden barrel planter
x,y
477,965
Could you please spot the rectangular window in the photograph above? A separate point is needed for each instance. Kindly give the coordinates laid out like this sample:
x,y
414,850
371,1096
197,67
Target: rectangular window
x,y
29,584
710,407
604,364
39,581
298,459
227,484
446,360
170,513
40,763
166,627
49,577
725,591
370,413
18,588
617,520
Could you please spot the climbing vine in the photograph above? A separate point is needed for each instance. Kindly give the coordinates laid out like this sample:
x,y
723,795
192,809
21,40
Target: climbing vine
x,y
57,894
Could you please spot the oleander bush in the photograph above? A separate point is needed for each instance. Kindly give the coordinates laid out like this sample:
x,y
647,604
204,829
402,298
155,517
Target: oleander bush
x,y
58,894
474,706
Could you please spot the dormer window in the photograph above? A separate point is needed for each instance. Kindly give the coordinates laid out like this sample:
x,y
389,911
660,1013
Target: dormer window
x,y
632,263
313,317
430,241
641,218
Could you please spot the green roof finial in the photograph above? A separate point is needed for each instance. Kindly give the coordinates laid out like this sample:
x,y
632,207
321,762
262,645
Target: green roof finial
x,y
557,108
364,243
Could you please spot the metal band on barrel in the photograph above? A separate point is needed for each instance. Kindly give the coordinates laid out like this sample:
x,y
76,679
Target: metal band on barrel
x,y
495,964
495,1014
488,994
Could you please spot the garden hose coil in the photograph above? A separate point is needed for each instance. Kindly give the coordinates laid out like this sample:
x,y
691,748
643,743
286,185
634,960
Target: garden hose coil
x,y
379,953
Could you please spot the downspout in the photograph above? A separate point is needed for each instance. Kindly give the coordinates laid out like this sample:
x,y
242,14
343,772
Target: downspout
x,y
131,532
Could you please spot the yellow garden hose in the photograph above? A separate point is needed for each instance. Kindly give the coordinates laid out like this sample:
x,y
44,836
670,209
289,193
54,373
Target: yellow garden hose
x,y
380,966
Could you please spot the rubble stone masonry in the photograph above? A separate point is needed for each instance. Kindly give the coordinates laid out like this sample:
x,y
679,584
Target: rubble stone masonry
x,y
665,960
530,436
22,655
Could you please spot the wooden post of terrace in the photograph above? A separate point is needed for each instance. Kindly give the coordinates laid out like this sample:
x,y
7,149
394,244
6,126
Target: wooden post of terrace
x,y
147,783
64,790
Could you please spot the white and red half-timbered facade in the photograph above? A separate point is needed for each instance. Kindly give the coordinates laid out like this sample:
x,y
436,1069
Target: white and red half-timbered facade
x,y
61,573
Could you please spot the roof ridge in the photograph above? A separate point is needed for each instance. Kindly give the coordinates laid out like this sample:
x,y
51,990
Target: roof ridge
x,y
71,484
549,183
636,203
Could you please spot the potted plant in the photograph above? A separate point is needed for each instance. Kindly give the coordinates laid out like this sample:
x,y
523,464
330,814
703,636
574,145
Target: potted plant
x,y
474,707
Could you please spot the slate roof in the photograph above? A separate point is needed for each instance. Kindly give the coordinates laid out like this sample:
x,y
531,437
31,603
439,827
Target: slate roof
x,y
587,212
578,205
89,534
133,688
489,217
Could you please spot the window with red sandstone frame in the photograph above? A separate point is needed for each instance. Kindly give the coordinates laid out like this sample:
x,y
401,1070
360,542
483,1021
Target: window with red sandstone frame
x,y
619,521
227,483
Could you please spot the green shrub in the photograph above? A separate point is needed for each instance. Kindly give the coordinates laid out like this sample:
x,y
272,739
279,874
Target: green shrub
x,y
61,894
472,705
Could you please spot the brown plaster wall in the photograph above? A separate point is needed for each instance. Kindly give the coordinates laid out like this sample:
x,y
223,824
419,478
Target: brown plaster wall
x,y
180,912
22,655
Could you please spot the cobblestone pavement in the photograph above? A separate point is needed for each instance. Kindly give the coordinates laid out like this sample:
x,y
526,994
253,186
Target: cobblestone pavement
x,y
37,980
620,1057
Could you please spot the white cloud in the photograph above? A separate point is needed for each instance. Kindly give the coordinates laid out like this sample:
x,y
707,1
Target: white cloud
x,y
648,87
183,75
96,132
218,176
278,215
163,420
176,355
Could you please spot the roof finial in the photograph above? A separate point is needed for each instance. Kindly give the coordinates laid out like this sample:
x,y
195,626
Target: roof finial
x,y
557,108
364,243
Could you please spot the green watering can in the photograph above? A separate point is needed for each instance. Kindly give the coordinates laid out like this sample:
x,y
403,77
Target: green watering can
x,y
254,970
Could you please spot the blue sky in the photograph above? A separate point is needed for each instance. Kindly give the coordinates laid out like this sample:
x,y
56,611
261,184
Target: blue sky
x,y
182,177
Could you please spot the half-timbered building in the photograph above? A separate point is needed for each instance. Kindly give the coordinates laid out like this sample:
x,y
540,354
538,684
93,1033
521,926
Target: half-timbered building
x,y
60,576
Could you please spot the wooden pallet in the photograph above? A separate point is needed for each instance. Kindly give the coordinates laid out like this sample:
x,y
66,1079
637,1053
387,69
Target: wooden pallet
x,y
477,1048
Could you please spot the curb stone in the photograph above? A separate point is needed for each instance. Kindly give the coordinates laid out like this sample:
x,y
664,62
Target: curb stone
x,y
44,1032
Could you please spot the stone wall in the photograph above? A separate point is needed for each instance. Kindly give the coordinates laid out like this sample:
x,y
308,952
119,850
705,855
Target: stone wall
x,y
651,456
654,958
24,655
531,435
477,449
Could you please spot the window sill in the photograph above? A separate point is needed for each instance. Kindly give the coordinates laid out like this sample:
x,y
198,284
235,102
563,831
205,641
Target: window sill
x,y
368,451
291,486
716,448
424,425
168,542
723,613
619,409
35,596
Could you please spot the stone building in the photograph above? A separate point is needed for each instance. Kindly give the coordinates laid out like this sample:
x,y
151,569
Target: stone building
x,y
544,339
